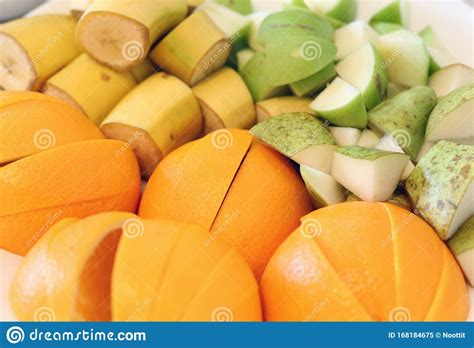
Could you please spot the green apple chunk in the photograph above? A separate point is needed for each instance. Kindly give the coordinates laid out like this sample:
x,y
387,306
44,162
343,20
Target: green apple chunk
x,y
389,143
372,175
232,24
449,78
462,246
363,70
300,136
345,136
384,28
293,23
404,117
368,139
453,117
243,7
405,58
314,83
257,78
243,57
441,186
322,188
293,58
341,104
396,13
352,36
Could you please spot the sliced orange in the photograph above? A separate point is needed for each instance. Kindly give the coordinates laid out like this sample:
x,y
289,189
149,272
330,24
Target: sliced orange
x,y
74,180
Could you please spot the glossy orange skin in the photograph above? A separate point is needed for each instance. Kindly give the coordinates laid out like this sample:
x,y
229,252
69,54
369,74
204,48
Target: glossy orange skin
x,y
363,261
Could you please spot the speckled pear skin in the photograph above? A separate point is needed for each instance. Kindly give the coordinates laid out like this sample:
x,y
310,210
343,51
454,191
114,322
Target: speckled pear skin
x,y
291,133
463,239
438,183
363,153
449,103
407,112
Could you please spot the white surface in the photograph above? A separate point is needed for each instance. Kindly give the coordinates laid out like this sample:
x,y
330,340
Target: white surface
x,y
452,21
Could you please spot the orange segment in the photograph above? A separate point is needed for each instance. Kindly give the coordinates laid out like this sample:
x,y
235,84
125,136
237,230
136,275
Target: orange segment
x,y
31,126
78,180
190,185
174,275
417,250
266,192
356,239
69,271
451,301
299,284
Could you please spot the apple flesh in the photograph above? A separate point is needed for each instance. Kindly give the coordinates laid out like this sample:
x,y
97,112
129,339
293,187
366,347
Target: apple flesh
x,y
345,136
370,174
363,69
405,57
368,139
300,136
341,104
452,119
352,36
441,186
322,188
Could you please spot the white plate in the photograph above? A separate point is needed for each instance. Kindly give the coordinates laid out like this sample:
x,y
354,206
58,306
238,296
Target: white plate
x,y
452,20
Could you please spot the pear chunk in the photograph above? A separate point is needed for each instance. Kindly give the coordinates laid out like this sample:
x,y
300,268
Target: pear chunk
x,y
371,174
341,104
389,143
452,119
449,78
441,186
404,117
462,246
300,136
322,188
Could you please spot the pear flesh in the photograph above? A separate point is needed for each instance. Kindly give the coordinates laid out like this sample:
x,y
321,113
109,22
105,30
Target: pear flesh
x,y
441,186
388,143
372,175
452,119
322,187
450,78
345,136
462,246
368,139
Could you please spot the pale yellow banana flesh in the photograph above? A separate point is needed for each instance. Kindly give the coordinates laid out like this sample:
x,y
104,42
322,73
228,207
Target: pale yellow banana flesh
x,y
225,101
91,87
193,50
155,123
27,60
120,33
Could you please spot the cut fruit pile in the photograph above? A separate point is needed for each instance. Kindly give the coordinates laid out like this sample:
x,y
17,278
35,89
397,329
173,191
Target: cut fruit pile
x,y
215,105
